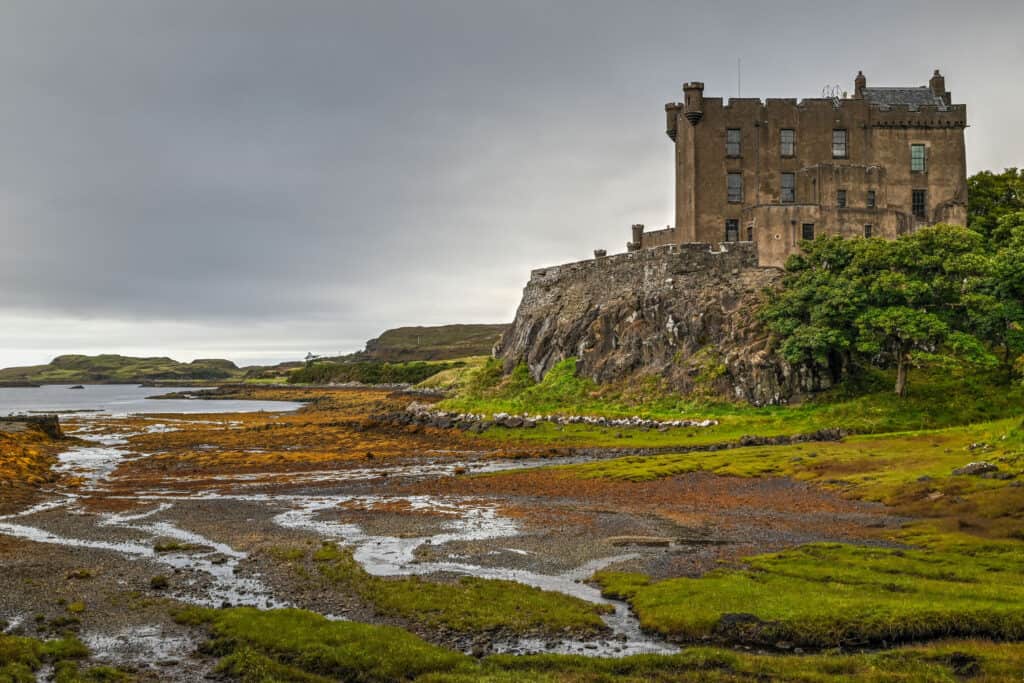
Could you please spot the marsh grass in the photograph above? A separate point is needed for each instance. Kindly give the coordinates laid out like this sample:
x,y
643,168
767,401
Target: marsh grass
x,y
21,658
937,399
291,644
467,605
294,645
831,595
963,578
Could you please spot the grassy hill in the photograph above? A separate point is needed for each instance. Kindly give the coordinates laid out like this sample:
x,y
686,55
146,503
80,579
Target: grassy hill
x,y
443,342
113,368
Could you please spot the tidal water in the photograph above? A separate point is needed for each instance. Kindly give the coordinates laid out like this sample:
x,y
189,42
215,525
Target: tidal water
x,y
120,399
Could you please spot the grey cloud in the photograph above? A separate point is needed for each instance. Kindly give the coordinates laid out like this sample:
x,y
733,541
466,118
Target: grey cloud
x,y
316,171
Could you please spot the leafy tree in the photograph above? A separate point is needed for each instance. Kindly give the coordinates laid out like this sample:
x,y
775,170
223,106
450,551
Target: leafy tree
x,y
990,196
999,308
889,303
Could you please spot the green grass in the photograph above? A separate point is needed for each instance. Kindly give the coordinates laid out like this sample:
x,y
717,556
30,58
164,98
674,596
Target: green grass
x,y
949,661
877,462
441,342
935,400
21,658
961,580
291,644
831,595
294,645
470,605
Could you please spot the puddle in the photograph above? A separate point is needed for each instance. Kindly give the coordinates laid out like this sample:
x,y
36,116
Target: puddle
x,y
142,646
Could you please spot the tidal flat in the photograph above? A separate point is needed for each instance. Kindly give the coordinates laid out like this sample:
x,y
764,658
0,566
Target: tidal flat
x,y
322,544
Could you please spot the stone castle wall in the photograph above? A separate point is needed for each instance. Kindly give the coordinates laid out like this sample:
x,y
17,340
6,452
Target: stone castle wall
x,y
684,312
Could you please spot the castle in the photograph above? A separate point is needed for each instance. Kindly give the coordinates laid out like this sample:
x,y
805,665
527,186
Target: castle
x,y
775,172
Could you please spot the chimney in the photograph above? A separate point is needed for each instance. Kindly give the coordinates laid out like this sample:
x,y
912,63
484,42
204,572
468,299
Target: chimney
x,y
937,83
859,83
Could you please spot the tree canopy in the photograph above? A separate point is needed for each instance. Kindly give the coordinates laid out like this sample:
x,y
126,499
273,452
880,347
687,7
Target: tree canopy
x,y
941,295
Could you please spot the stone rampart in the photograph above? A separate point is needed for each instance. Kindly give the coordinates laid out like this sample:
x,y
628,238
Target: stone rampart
x,y
683,312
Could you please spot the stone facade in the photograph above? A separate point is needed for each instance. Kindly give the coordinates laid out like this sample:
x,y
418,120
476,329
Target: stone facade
x,y
773,172
684,313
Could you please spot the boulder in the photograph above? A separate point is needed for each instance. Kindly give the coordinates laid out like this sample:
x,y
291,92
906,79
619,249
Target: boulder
x,y
975,468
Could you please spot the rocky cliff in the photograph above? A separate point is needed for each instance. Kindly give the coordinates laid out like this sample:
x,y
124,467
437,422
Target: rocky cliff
x,y
683,312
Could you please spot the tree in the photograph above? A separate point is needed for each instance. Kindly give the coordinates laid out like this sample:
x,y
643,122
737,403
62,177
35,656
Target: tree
x,y
999,306
899,331
888,303
815,309
990,196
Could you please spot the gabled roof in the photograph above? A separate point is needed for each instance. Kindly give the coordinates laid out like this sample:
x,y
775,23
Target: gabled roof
x,y
902,97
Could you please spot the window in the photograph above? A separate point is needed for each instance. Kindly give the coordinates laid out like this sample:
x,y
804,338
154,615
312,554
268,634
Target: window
x,y
788,194
732,230
807,231
841,199
918,204
734,187
732,142
750,233
867,230
839,143
918,162
787,142
871,199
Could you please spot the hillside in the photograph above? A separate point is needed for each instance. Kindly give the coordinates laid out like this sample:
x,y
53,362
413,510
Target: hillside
x,y
443,342
113,368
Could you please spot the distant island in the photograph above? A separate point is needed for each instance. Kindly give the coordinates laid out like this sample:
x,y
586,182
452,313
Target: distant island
x,y
398,345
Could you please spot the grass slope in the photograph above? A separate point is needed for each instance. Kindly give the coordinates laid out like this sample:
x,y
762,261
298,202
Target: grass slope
x,y
443,342
938,399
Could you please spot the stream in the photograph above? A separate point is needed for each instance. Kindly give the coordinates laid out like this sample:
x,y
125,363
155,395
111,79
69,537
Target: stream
x,y
211,573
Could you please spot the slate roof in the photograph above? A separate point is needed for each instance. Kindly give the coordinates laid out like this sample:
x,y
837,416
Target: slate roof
x,y
902,97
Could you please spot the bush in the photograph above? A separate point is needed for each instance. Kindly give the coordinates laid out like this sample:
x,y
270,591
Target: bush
x,y
368,372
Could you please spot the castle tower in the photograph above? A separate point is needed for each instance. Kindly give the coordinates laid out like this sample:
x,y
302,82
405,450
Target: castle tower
x,y
693,102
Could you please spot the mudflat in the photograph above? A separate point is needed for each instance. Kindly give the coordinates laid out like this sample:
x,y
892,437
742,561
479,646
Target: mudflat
x,y
469,542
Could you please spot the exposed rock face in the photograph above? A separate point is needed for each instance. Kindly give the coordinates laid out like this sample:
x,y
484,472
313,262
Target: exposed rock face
x,y
47,424
684,312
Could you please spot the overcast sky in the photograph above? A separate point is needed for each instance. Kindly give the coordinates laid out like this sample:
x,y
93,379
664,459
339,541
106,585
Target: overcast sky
x,y
256,179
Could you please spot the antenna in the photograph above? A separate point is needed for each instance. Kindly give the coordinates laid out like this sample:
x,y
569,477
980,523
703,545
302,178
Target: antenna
x,y
739,78
832,92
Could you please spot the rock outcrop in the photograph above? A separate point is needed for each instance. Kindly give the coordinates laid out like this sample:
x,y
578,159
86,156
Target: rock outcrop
x,y
683,312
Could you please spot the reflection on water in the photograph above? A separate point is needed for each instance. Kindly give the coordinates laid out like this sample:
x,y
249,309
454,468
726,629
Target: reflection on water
x,y
121,399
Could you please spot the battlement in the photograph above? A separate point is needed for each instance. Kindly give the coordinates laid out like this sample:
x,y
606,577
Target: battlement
x,y
664,261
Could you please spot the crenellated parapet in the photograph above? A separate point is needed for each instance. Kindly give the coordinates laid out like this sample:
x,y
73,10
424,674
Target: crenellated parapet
x,y
663,261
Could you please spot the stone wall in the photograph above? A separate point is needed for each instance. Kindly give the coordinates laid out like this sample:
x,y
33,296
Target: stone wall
x,y
683,312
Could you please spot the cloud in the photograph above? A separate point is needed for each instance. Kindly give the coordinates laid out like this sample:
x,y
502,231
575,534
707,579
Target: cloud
x,y
314,172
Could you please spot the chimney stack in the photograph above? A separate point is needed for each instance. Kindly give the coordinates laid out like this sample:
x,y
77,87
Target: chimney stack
x,y
937,83
859,83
